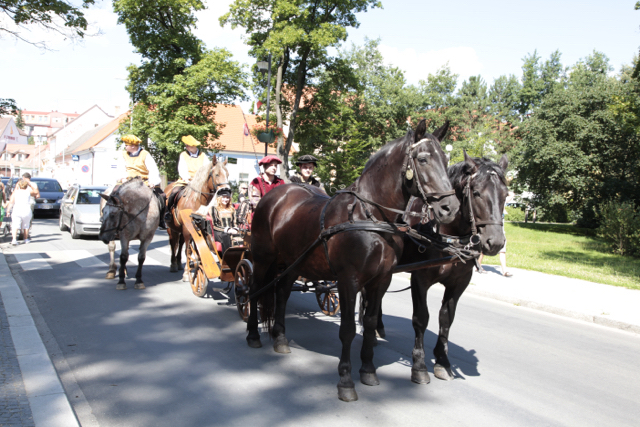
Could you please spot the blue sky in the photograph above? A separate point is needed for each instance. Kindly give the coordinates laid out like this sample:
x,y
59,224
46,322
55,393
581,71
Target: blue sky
x,y
488,38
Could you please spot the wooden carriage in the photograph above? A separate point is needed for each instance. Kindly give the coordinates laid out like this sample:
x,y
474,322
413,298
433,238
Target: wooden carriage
x,y
235,267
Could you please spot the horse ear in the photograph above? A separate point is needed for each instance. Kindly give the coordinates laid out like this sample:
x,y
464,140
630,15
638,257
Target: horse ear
x,y
504,162
225,163
421,130
473,167
214,160
104,196
440,133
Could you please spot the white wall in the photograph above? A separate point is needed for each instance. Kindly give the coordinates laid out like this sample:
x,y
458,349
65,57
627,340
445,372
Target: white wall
x,y
100,164
91,119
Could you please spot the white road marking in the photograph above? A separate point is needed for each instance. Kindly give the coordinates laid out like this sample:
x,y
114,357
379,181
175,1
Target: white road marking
x,y
31,261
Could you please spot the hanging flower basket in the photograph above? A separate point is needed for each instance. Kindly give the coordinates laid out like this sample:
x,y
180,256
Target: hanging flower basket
x,y
265,135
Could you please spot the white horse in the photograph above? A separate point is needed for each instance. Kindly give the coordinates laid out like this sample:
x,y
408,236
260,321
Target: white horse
x,y
131,212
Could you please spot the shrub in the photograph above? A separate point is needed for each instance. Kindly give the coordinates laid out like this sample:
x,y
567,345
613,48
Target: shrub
x,y
620,227
514,213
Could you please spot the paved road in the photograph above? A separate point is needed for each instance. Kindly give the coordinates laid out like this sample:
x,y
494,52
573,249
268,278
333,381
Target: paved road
x,y
162,357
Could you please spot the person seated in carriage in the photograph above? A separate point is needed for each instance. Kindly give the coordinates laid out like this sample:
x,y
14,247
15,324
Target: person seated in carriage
x,y
136,161
225,221
306,163
267,181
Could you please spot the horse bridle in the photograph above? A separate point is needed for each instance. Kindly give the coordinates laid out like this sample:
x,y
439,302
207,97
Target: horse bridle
x,y
408,168
120,207
475,224
215,186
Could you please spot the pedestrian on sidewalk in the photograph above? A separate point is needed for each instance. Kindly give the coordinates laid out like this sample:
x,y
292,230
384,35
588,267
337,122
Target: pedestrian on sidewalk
x,y
20,208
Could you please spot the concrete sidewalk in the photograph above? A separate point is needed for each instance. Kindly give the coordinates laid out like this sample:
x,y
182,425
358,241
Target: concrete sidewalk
x,y
27,371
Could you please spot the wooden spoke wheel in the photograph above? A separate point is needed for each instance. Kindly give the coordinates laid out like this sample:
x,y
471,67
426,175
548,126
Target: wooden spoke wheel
x,y
328,301
197,277
243,278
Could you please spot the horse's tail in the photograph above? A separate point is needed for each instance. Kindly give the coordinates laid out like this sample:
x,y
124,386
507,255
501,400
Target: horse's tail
x,y
267,299
362,307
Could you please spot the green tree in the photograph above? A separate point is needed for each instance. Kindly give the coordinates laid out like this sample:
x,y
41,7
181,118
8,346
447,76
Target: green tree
x,y
297,33
179,81
20,120
576,152
8,106
59,16
538,80
438,89
358,104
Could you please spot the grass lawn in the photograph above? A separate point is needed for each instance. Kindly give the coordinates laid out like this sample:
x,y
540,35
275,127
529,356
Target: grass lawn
x,y
566,250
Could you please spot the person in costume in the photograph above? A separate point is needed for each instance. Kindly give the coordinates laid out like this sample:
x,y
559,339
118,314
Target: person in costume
x,y
191,159
306,163
136,161
225,222
267,181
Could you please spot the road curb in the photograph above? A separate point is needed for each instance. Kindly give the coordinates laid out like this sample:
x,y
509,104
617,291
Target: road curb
x,y
599,320
47,398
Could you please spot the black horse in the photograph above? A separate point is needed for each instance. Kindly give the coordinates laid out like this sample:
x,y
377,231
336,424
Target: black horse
x,y
481,187
288,223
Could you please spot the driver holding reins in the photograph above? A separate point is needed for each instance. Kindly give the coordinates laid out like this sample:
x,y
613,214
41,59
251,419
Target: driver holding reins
x,y
136,161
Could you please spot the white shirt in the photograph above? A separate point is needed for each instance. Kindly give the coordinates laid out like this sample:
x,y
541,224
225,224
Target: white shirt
x,y
183,169
150,163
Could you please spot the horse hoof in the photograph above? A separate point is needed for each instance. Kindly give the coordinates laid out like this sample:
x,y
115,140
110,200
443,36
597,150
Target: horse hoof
x,y
173,269
380,333
369,378
442,373
185,278
254,343
281,345
347,394
139,286
121,286
420,377
110,276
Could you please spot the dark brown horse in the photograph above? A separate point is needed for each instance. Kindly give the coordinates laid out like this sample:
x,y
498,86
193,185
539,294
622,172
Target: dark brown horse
x,y
206,182
482,189
290,218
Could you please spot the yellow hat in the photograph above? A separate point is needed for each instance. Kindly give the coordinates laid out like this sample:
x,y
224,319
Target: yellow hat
x,y
131,140
189,140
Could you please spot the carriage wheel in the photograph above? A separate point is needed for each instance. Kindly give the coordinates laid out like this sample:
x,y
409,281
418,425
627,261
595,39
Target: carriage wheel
x,y
243,278
328,301
197,277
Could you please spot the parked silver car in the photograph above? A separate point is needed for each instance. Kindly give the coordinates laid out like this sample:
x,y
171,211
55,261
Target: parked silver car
x,y
80,210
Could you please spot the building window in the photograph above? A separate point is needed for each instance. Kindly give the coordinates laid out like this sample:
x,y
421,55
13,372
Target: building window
x,y
244,176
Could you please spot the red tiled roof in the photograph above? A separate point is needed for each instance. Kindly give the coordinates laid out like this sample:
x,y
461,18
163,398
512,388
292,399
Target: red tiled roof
x,y
232,134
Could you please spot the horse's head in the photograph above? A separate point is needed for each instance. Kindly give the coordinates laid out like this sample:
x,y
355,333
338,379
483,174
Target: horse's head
x,y
483,188
220,175
425,172
111,211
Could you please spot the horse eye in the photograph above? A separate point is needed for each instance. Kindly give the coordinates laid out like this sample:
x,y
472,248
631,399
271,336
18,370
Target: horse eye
x,y
422,158
476,193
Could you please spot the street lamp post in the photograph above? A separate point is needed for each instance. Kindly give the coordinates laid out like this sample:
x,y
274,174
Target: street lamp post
x,y
262,67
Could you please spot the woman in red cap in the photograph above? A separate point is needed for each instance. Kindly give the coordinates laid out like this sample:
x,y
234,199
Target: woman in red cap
x,y
267,181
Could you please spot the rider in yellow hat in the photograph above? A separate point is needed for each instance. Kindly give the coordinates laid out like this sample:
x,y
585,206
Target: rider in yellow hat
x,y
191,159
136,161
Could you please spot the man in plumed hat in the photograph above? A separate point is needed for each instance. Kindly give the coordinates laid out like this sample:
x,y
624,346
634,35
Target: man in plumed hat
x,y
307,164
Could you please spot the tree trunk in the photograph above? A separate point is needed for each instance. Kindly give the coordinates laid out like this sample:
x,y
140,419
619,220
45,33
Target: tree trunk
x,y
284,172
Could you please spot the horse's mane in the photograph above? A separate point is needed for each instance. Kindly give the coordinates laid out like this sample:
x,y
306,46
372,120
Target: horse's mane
x,y
459,172
384,150
192,192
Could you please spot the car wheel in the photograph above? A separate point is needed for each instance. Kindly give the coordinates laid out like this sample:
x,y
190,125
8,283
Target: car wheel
x,y
62,226
74,230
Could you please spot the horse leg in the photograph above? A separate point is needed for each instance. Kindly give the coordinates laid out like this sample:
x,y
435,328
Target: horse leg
x,y
124,257
346,387
263,273
173,244
452,293
142,255
283,292
370,320
111,274
420,320
187,250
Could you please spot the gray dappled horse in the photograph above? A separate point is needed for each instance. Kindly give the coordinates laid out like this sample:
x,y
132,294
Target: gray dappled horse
x,y
131,212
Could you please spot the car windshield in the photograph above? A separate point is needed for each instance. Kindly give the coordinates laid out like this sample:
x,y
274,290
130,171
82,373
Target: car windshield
x,y
49,186
89,197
